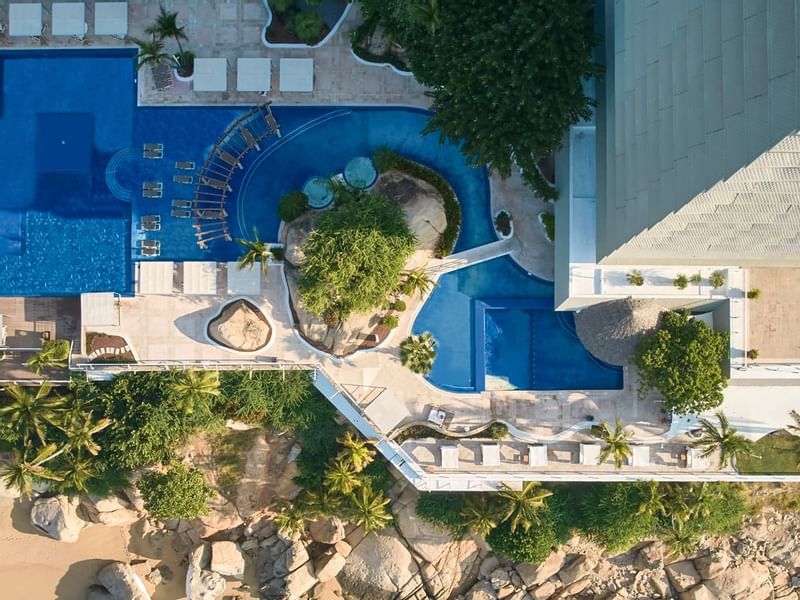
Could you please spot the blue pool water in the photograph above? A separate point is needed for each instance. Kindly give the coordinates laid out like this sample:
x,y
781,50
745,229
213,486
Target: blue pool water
x,y
71,167
496,329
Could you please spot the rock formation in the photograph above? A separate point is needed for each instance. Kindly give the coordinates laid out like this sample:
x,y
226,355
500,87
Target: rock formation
x,y
240,326
57,517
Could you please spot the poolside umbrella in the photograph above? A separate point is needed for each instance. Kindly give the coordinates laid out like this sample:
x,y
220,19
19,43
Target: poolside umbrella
x,y
611,330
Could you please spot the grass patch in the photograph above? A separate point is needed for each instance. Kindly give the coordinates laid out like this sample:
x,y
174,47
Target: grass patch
x,y
229,449
386,159
782,497
778,453
548,221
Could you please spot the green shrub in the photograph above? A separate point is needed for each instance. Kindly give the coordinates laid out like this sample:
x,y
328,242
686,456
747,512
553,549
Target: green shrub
x,y
548,220
681,282
717,279
497,431
535,544
444,511
636,278
399,305
292,205
358,42
386,159
178,493
281,6
278,253
308,26
696,279
609,514
752,354
754,294
390,321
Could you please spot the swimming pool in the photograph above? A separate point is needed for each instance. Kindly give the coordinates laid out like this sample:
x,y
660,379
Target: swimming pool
x,y
495,328
71,209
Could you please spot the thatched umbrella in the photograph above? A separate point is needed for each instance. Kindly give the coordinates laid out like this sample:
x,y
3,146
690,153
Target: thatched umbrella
x,y
611,330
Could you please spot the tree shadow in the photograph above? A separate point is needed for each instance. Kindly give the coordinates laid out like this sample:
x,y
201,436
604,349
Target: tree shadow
x,y
78,578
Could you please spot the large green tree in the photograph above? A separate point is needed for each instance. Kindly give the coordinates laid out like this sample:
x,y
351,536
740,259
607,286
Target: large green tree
x,y
354,256
506,77
682,359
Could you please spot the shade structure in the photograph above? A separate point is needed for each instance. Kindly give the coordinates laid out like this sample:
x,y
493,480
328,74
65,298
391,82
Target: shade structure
x,y
200,278
537,455
589,454
156,277
69,18
24,19
449,457
694,460
490,455
611,330
640,456
111,18
243,282
297,75
99,309
253,74
210,74
386,411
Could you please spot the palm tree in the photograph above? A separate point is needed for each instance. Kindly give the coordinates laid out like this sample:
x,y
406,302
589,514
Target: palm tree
x,y
28,413
369,509
794,429
76,474
22,473
680,538
653,501
290,521
417,281
427,13
192,387
522,507
356,451
80,429
616,442
341,478
166,26
53,354
320,504
479,514
417,352
254,251
151,52
725,440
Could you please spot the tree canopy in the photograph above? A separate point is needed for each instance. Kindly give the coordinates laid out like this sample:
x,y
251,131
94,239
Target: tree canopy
x,y
682,359
178,493
354,256
505,77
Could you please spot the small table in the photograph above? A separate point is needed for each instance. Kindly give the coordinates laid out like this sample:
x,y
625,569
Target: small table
x,y
437,416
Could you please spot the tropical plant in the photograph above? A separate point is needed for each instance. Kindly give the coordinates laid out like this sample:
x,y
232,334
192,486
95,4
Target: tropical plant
x,y
23,472
636,278
609,514
497,431
724,440
54,353
291,520
355,451
652,502
752,354
417,281
151,52
166,26
754,294
679,537
399,305
80,429
696,279
681,282
28,411
427,13
417,352
617,442
320,504
292,205
479,514
522,507
717,279
281,6
192,388
177,493
341,478
255,251
794,429
308,26
76,474
390,321
368,509
682,359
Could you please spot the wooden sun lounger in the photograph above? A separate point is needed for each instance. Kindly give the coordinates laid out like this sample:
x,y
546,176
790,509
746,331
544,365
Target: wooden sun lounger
x,y
248,137
183,179
153,154
269,119
152,193
154,147
150,248
215,183
210,213
180,213
151,223
186,165
178,203
227,158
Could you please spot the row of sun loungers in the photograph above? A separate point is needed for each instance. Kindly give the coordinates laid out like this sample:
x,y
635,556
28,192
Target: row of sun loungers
x,y
254,75
197,278
25,19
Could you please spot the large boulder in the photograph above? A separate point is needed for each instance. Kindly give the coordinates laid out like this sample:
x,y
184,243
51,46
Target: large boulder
x,y
683,575
749,580
650,556
453,570
291,559
300,581
698,592
227,559
58,518
378,568
712,564
203,585
326,531
240,326
533,575
577,569
121,582
329,565
483,590
112,511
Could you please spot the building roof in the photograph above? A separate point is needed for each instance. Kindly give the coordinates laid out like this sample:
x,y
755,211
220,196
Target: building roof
x,y
694,91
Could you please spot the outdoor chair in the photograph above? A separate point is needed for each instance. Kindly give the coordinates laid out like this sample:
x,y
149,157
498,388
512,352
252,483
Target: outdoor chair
x,y
183,179
150,248
178,203
210,213
185,165
181,213
151,222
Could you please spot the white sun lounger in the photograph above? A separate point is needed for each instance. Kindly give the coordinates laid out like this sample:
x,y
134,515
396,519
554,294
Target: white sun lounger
x,y
449,457
537,455
490,455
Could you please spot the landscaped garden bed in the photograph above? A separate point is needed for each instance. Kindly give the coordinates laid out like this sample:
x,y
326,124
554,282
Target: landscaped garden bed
x,y
370,43
303,22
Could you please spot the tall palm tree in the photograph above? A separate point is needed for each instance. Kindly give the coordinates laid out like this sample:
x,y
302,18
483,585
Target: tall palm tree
x,y
723,439
80,429
653,500
29,413
151,52
369,509
255,251
523,506
166,26
23,472
479,514
416,281
76,474
52,354
356,451
341,478
193,387
617,442
417,352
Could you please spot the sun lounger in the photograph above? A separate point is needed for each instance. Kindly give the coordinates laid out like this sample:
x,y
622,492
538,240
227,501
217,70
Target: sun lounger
x,y
150,248
185,165
178,203
152,189
269,119
151,223
248,137
181,213
210,213
183,179
162,76
215,183
153,154
227,158
152,146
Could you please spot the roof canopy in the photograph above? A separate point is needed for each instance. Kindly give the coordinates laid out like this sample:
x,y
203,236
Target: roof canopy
x,y
155,277
111,18
199,278
243,282
99,309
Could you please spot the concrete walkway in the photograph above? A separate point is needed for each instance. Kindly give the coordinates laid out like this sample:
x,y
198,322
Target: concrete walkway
x,y
473,256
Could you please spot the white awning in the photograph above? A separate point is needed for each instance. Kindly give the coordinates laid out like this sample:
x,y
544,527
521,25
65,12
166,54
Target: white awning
x,y
640,455
156,277
99,309
210,75
111,18
590,454
25,19
537,455
386,411
490,455
199,278
297,75
253,74
244,282
449,457
69,18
